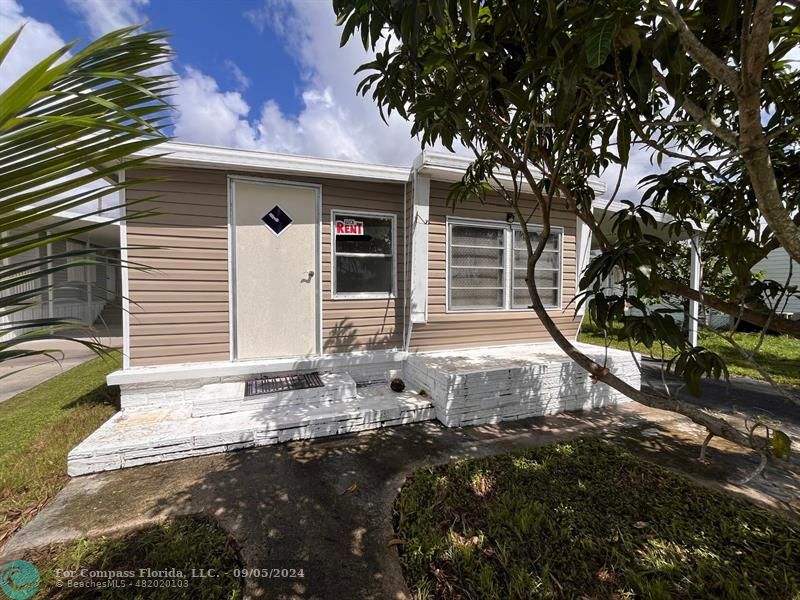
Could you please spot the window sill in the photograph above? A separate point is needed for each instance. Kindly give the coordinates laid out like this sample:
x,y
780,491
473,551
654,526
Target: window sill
x,y
495,311
364,296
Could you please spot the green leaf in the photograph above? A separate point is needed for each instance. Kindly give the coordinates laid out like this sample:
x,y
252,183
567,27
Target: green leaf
x,y
728,11
598,42
781,444
470,12
623,140
5,46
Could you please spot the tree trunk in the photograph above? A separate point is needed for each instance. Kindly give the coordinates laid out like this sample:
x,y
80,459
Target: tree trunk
x,y
719,427
755,153
780,324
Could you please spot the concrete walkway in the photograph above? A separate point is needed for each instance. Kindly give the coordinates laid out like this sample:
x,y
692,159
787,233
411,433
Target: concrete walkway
x,y
327,506
21,374
741,396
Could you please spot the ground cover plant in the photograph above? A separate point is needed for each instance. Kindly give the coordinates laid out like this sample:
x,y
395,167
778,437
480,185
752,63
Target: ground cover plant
x,y
586,519
195,547
40,426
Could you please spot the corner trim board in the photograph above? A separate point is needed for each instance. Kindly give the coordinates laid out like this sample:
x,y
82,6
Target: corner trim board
x,y
419,248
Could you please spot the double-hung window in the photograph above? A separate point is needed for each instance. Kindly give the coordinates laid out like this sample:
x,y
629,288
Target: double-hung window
x,y
363,254
487,266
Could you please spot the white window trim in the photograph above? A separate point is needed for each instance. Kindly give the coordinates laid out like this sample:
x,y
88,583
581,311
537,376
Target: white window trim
x,y
508,266
362,295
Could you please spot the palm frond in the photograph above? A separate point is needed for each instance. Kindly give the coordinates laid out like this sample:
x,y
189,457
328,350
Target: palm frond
x,y
68,126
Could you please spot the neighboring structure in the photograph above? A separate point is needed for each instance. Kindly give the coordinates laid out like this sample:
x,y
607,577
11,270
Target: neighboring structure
x,y
283,292
605,212
89,293
778,266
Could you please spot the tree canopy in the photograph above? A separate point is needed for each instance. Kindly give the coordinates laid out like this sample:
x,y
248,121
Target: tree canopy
x,y
558,93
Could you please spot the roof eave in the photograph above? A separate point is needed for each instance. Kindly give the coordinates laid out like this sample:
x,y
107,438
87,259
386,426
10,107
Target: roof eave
x,y
181,154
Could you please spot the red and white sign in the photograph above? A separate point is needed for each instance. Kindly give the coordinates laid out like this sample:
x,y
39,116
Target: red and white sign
x,y
349,227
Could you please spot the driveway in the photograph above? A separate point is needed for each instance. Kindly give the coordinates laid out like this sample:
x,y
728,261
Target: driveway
x,y
327,505
21,374
741,397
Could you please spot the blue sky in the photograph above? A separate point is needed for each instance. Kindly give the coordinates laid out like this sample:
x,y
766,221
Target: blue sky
x,y
209,34
263,74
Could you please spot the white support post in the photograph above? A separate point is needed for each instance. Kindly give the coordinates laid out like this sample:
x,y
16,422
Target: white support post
x,y
88,271
695,281
583,249
420,216
51,293
4,319
123,257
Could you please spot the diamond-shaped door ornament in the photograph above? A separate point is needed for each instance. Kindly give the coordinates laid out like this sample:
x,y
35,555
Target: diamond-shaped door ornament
x,y
277,220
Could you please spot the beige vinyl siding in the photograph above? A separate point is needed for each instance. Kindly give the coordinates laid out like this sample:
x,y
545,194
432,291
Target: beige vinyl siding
x,y
361,324
488,328
179,306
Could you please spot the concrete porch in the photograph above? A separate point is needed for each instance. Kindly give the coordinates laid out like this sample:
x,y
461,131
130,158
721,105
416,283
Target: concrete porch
x,y
166,418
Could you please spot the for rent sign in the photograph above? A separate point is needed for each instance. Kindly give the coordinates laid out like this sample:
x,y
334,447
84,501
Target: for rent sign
x,y
349,227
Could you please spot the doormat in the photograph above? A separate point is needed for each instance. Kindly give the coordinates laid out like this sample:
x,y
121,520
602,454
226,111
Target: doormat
x,y
281,382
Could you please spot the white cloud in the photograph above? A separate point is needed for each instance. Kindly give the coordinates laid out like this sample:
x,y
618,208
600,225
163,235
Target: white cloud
x,y
242,81
103,16
333,121
210,116
37,41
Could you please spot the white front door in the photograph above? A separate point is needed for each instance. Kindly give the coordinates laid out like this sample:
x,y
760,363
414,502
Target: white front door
x,y
275,253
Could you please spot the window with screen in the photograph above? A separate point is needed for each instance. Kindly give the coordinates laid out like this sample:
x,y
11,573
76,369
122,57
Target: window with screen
x,y
487,267
477,267
363,255
548,269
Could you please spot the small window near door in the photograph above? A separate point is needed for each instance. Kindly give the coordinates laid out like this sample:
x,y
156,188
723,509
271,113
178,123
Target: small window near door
x,y
363,255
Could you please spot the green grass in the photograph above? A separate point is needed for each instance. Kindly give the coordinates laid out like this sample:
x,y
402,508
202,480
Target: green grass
x,y
184,544
586,519
39,427
779,354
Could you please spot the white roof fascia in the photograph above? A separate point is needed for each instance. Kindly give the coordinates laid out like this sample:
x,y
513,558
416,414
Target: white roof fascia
x,y
215,157
451,167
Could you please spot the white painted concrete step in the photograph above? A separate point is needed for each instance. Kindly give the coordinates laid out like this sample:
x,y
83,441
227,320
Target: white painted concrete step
x,y
219,397
140,437
337,388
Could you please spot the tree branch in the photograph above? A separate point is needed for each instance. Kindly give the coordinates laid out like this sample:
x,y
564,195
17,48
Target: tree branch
x,y
701,116
700,53
756,48
781,324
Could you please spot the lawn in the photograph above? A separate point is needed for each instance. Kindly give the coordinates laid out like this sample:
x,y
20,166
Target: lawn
x,y
40,426
586,519
187,557
779,354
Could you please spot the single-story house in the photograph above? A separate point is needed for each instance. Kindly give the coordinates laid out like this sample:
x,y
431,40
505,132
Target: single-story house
x,y
282,294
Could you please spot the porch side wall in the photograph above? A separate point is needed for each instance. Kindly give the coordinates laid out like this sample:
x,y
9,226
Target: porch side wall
x,y
456,330
180,304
